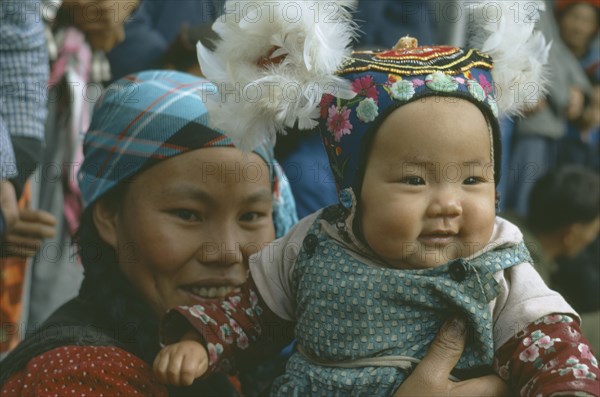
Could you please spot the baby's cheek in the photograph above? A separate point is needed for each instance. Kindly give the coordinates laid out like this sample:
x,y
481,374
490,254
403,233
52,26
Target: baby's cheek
x,y
479,230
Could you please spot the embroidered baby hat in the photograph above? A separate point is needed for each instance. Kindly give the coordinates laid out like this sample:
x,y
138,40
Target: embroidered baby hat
x,y
386,80
315,81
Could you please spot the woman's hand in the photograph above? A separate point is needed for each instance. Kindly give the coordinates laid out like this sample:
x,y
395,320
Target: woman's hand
x,y
430,377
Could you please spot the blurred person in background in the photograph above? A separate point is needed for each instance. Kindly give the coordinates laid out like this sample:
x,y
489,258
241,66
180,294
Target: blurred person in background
x,y
538,137
43,271
163,34
562,221
578,21
563,218
578,276
23,78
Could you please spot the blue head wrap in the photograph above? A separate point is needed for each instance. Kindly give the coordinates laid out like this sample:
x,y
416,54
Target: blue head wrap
x,y
154,115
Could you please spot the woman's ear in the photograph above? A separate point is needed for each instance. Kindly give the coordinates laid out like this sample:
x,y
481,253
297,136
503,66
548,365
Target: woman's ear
x,y
105,218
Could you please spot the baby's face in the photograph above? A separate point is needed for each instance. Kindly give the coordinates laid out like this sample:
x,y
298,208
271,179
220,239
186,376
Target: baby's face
x,y
428,193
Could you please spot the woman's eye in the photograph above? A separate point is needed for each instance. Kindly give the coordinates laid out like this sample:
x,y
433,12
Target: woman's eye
x,y
187,215
413,180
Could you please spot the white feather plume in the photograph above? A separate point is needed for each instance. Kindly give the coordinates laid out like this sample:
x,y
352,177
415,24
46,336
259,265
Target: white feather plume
x,y
256,102
505,30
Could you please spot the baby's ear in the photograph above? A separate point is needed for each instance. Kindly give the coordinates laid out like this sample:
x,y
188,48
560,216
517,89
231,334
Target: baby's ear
x,y
105,218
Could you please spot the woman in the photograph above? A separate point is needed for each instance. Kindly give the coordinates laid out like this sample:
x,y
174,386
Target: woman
x,y
142,242
172,212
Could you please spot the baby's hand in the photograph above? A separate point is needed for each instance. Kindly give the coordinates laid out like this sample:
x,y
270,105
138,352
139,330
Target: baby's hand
x,y
180,363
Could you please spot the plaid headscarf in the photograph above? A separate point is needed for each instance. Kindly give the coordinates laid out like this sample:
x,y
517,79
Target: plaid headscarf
x,y
154,115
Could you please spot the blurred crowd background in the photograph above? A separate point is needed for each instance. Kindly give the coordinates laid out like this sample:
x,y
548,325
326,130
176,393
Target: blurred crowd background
x,y
550,158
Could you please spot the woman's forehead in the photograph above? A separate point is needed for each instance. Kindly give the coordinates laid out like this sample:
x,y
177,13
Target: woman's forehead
x,y
208,172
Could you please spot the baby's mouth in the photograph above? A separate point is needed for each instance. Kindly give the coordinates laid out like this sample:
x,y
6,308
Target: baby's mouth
x,y
210,292
437,237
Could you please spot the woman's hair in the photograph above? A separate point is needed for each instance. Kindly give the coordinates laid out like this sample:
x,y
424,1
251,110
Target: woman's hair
x,y
105,286
563,197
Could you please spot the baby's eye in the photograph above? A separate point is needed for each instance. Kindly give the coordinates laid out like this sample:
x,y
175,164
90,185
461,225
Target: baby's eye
x,y
413,180
251,216
472,180
187,215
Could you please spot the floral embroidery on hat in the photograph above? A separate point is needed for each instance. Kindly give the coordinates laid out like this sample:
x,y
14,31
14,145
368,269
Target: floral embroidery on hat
x,y
476,90
402,90
367,110
326,102
364,86
391,79
441,82
485,84
493,105
418,82
334,151
338,122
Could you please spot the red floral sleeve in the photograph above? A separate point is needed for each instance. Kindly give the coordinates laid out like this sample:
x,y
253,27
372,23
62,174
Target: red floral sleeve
x,y
226,325
549,357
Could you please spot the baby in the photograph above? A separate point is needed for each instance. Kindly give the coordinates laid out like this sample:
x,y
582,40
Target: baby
x,y
413,241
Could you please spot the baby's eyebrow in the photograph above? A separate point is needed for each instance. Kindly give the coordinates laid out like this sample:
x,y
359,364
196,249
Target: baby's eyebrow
x,y
473,162
415,160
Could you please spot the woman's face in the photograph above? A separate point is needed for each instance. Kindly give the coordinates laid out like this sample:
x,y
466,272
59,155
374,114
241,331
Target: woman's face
x,y
188,224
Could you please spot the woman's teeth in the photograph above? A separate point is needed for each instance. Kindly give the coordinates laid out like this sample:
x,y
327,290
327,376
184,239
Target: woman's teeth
x,y
213,292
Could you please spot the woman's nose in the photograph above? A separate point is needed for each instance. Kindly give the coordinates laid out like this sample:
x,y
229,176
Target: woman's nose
x,y
222,249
